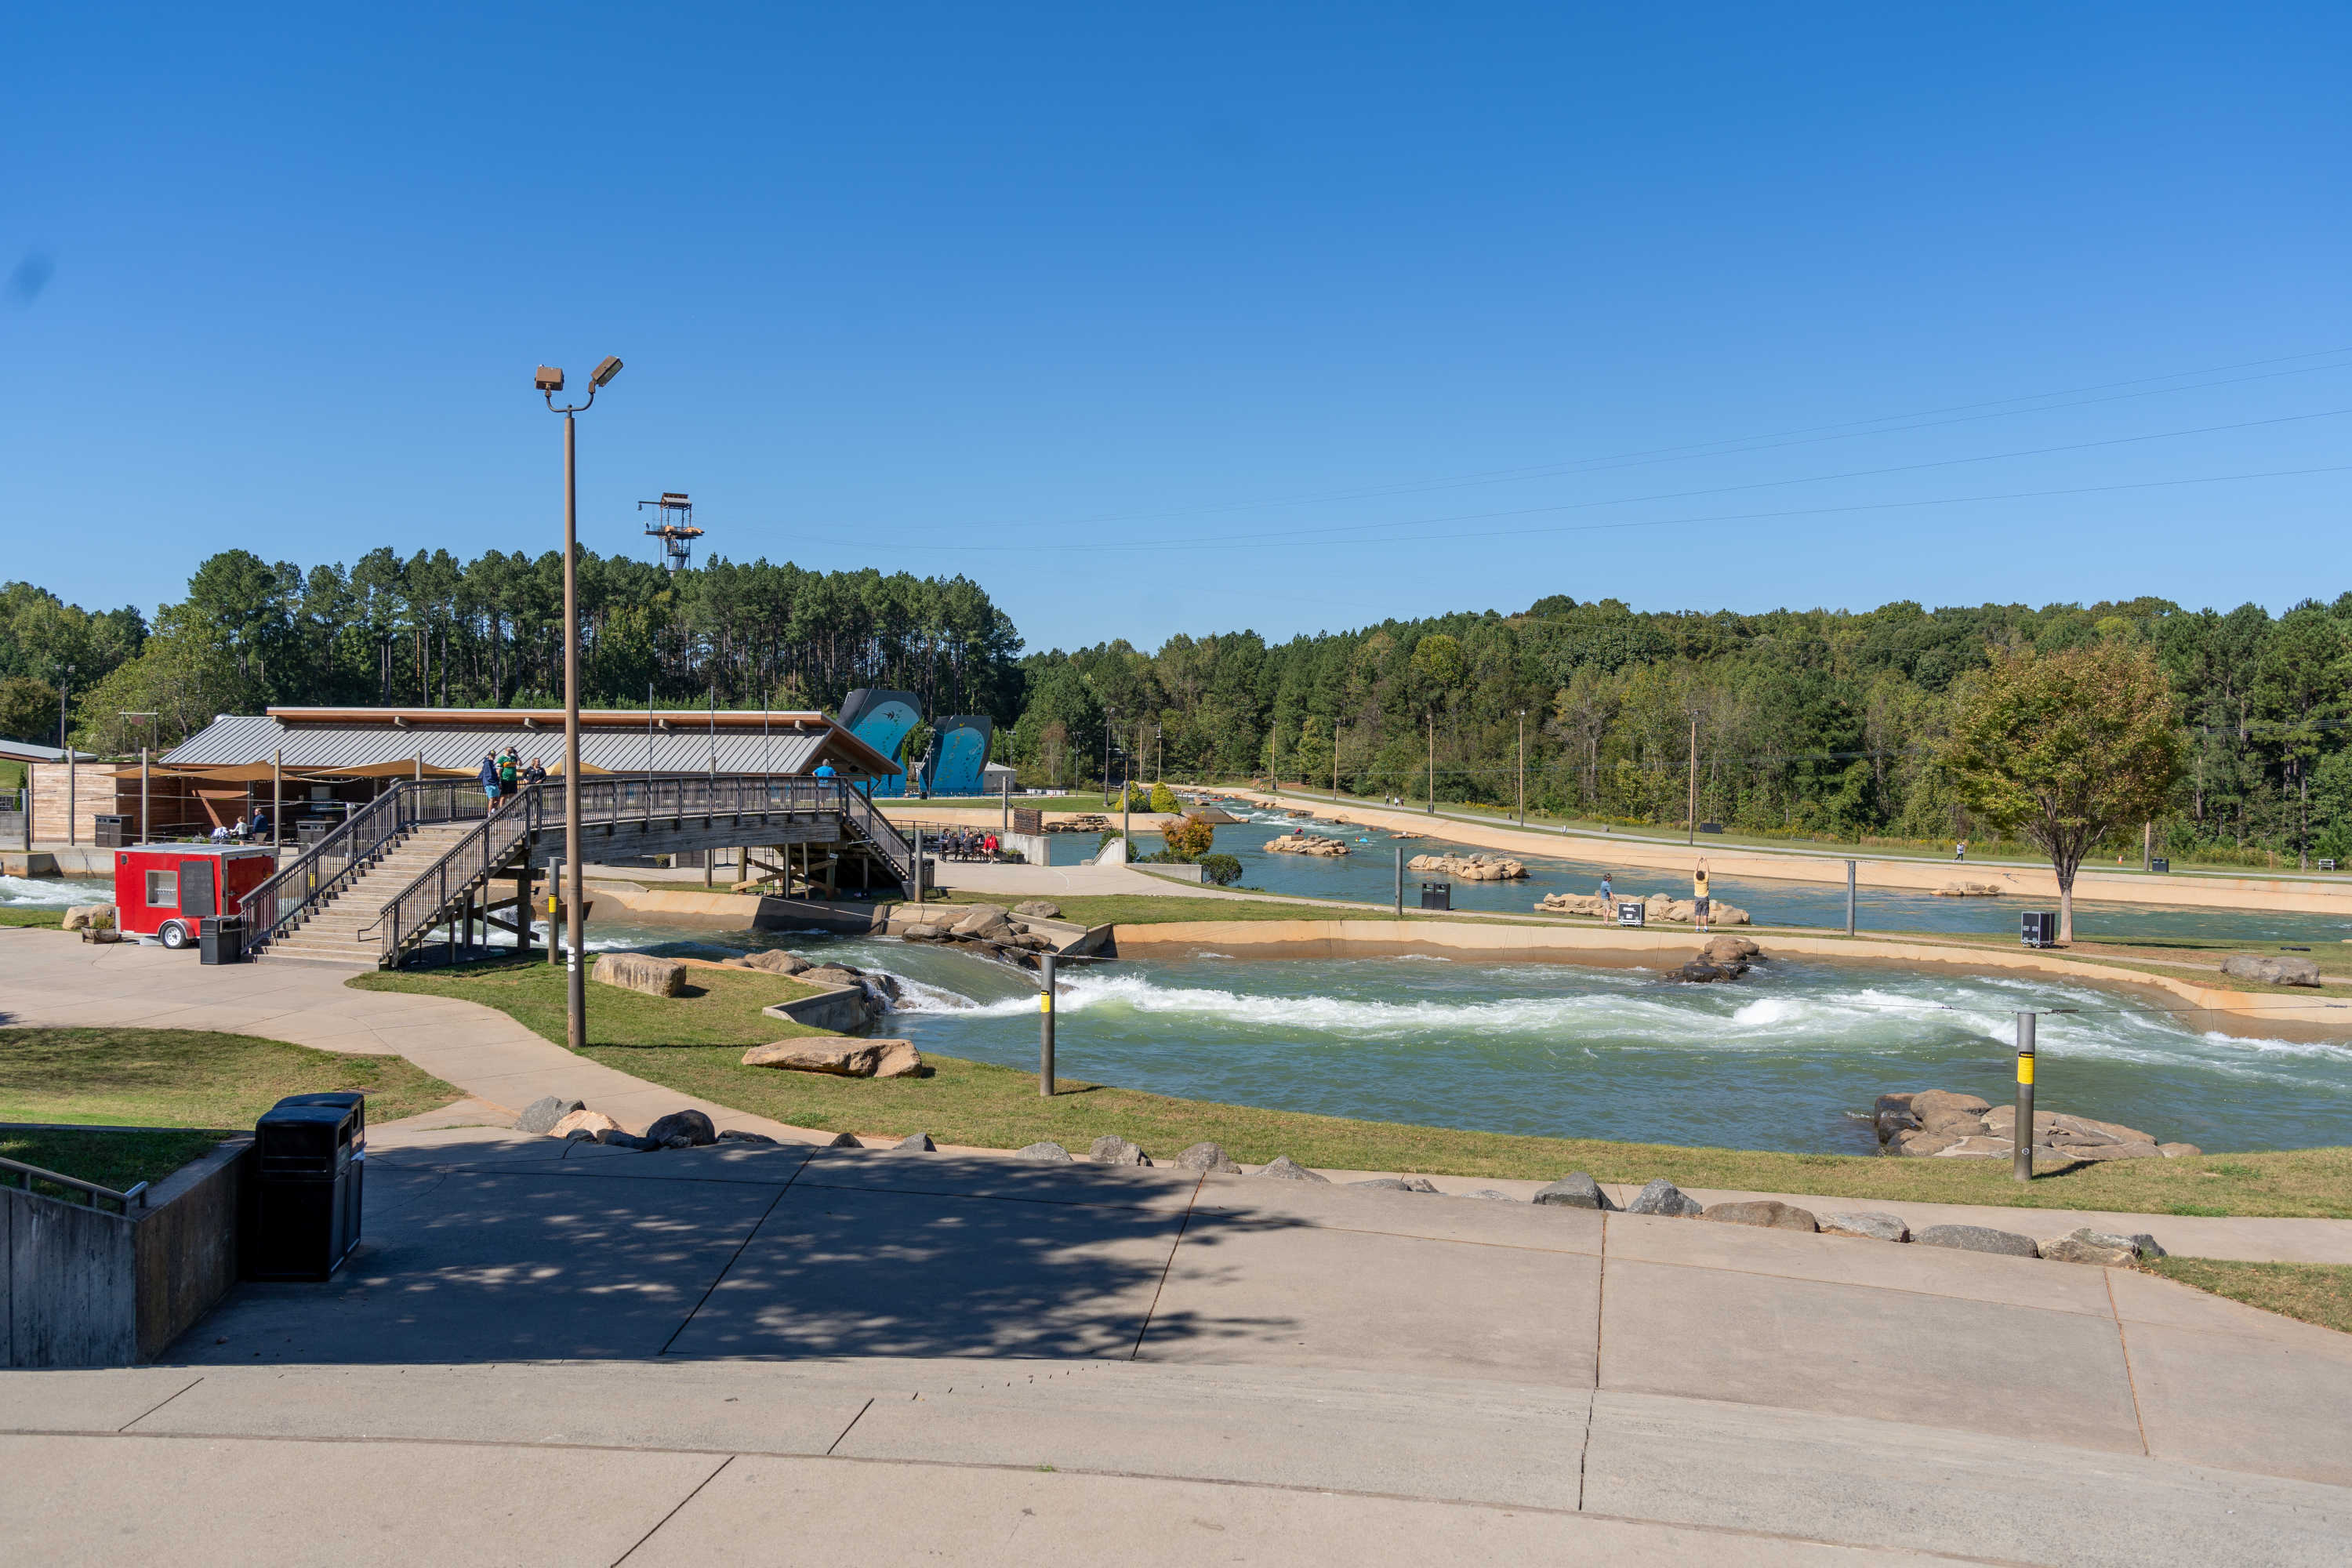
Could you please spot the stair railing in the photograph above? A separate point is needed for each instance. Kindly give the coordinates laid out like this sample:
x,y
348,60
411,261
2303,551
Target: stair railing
x,y
411,915
318,874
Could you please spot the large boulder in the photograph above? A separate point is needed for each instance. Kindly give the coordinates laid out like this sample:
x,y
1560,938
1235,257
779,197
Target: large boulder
x,y
89,917
1110,1149
1207,1157
543,1114
916,1143
2262,969
1952,1115
642,972
1660,1196
825,1054
1968,890
691,1125
982,920
1869,1224
2102,1247
1765,1214
1977,1238
836,976
1037,908
1049,1152
898,1058
1577,1190
1285,1169
1727,950
1470,867
774,961
1701,972
584,1123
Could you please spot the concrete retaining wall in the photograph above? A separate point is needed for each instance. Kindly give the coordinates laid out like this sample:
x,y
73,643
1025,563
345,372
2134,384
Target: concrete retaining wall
x,y
841,1010
81,1287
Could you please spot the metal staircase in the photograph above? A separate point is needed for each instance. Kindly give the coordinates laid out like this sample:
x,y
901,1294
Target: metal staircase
x,y
383,883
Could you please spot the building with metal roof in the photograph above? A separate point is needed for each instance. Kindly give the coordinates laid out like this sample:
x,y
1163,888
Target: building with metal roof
x,y
377,742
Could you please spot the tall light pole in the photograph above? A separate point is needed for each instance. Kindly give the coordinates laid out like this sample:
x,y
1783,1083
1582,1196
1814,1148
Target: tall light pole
x,y
549,381
1523,768
1109,713
133,713
66,748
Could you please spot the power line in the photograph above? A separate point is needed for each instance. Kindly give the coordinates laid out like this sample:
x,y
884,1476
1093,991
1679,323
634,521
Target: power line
x,y
1149,545
1840,430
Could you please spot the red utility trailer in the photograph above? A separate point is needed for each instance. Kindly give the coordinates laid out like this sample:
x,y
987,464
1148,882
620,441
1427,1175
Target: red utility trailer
x,y
163,889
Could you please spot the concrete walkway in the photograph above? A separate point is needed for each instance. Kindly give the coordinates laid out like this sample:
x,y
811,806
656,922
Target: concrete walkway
x,y
754,1356
54,979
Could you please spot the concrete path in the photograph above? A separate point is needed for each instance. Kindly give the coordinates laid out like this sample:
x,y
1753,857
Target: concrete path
x,y
742,1354
54,979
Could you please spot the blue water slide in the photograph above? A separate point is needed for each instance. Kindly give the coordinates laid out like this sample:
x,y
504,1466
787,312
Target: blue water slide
x,y
958,755
882,720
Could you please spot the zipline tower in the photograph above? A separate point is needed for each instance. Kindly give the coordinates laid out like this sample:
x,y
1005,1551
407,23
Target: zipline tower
x,y
674,528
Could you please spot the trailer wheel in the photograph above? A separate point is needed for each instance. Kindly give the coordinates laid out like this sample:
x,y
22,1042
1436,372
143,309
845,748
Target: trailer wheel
x,y
173,935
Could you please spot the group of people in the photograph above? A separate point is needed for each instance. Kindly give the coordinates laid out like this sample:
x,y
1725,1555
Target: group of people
x,y
246,830
505,774
965,843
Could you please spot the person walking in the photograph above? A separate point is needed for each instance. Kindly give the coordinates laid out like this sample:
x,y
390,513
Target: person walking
x,y
489,775
1960,850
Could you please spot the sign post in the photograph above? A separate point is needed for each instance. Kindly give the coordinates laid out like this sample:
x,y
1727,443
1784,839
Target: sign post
x,y
1045,1026
2021,1135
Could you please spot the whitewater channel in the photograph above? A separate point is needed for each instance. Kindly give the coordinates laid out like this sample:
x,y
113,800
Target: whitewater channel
x,y
1790,1058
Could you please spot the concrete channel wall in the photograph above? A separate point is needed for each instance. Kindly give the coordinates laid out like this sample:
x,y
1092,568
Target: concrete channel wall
x,y
82,1287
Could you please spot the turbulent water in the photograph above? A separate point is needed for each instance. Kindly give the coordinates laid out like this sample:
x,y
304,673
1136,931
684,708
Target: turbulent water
x,y
51,892
1790,1059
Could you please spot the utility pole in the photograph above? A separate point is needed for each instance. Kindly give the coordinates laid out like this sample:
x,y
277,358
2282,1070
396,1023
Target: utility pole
x,y
1433,761
1523,768
1692,818
66,747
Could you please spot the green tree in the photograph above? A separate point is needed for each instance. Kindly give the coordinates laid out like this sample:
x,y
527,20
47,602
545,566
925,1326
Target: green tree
x,y
2067,748
1189,838
1164,799
28,710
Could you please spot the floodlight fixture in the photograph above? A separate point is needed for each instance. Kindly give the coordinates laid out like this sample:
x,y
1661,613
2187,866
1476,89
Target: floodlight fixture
x,y
548,379
604,372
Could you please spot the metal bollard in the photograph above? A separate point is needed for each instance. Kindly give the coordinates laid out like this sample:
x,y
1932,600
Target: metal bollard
x,y
1848,898
1400,882
2021,1135
1045,1026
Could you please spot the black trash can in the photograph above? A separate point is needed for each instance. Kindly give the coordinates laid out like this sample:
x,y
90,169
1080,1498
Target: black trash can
x,y
2162,863
301,1217
113,832
1437,895
354,1189
220,938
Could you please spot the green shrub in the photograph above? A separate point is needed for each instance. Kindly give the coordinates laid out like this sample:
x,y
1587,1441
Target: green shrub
x,y
1224,870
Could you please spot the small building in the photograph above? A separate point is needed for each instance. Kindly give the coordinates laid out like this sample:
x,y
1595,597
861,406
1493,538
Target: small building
x,y
316,762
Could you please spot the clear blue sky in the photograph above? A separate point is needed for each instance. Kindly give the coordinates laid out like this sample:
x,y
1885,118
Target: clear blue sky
x,y
1366,300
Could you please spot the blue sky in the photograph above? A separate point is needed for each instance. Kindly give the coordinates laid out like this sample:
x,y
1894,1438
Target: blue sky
x,y
1192,319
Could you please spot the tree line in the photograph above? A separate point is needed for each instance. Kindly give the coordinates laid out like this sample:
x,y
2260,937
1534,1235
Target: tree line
x,y
1821,723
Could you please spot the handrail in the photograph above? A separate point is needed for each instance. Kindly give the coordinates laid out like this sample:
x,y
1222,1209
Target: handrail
x,y
336,860
91,1190
412,913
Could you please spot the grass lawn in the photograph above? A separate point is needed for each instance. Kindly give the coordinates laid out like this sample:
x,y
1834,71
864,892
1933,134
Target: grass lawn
x,y
50,916
721,1007
2316,1292
694,1044
189,1078
117,1159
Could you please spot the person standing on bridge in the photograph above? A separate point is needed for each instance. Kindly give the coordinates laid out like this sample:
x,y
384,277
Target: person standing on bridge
x,y
489,775
536,773
825,771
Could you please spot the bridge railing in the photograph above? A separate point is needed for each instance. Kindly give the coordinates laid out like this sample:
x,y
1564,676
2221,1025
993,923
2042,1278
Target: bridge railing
x,y
425,904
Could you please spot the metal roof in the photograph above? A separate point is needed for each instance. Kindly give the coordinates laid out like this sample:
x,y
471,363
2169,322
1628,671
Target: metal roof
x,y
458,739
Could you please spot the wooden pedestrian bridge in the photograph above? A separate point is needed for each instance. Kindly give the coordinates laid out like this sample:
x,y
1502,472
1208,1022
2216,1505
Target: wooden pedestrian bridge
x,y
426,857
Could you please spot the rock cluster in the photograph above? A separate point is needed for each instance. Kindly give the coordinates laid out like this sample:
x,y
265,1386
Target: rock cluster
x,y
89,917
2265,970
774,961
1092,822
1470,867
1970,890
1306,844
1723,958
571,1122
1657,909
991,929
1939,1122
